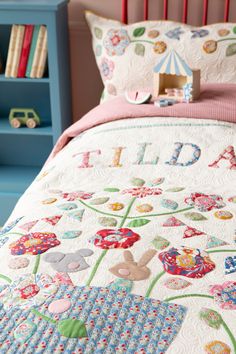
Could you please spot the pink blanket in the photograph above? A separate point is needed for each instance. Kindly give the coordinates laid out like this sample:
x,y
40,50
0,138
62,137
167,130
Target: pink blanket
x,y
217,101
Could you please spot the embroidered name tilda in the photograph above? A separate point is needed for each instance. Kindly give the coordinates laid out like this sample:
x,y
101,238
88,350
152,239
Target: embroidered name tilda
x,y
183,155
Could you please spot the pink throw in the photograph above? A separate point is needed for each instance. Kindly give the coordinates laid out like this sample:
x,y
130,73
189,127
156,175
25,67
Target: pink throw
x,y
217,101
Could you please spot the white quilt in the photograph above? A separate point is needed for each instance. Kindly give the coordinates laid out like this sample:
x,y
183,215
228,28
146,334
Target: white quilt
x,y
143,205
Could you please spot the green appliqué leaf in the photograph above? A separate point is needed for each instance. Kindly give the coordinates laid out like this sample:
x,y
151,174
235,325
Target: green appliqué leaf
x,y
211,318
106,221
138,32
138,182
160,242
98,32
195,216
138,222
139,49
234,30
111,189
231,50
99,201
71,328
175,189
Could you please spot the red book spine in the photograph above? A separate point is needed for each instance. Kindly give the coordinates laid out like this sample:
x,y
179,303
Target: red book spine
x,y
25,50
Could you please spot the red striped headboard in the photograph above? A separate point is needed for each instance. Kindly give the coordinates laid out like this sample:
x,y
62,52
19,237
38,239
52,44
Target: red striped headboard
x,y
185,10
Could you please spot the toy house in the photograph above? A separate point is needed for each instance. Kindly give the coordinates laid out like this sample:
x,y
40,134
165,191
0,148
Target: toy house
x,y
171,74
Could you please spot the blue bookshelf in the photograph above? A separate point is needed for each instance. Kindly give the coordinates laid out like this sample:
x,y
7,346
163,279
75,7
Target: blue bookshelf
x,y
23,151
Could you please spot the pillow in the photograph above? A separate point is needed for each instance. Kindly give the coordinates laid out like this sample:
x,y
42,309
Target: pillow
x,y
127,54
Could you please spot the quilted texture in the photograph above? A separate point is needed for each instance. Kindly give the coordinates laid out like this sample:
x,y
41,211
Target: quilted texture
x,y
114,321
127,54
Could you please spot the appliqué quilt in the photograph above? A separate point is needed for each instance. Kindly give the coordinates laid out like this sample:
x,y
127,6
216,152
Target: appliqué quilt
x,y
125,243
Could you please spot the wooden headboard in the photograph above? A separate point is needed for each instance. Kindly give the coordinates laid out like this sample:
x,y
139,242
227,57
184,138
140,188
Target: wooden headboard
x,y
86,81
185,8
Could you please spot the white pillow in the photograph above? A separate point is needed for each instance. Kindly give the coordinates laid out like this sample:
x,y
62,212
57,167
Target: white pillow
x,y
127,54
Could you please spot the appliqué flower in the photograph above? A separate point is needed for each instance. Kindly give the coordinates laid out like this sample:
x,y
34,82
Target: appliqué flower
x,y
189,262
199,33
142,192
175,33
111,238
106,68
217,347
34,243
204,202
210,46
76,195
28,291
225,295
116,41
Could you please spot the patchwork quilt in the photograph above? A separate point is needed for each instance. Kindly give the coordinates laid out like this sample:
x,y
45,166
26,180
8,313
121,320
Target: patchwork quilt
x,y
125,243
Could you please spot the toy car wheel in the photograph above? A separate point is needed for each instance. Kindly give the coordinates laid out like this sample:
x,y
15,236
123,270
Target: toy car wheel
x,y
31,123
15,123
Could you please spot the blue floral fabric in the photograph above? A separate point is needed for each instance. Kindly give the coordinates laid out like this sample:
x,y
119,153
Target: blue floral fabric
x,y
115,321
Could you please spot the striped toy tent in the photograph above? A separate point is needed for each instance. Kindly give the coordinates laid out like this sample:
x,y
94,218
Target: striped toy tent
x,y
173,64
172,73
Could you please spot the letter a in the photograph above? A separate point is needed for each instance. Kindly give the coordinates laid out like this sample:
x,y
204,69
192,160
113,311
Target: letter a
x,y
227,154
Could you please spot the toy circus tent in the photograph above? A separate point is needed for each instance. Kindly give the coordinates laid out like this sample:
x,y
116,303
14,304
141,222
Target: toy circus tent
x,y
173,64
172,72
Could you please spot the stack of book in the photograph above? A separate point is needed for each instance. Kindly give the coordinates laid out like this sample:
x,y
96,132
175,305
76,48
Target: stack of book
x,y
27,52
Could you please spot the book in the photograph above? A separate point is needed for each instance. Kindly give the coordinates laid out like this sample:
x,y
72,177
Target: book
x,y
25,50
11,49
32,50
17,51
37,51
43,56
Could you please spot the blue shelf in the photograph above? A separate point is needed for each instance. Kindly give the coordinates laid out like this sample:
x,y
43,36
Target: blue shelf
x,y
5,128
15,179
23,151
44,80
13,182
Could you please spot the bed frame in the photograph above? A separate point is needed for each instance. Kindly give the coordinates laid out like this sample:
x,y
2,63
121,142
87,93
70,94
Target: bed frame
x,y
165,10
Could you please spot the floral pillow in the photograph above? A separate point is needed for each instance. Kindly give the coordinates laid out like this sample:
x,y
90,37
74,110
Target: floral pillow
x,y
127,54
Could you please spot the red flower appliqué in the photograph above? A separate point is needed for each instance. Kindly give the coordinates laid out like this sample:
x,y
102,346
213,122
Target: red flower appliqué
x,y
142,192
34,243
204,202
111,238
71,196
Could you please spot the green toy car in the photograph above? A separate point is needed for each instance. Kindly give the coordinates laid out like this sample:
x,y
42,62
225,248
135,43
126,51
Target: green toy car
x,y
23,116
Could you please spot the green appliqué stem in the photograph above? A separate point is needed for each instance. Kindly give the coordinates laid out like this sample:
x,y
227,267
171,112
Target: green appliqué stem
x,y
230,334
227,39
36,265
133,217
227,330
141,40
13,233
4,277
153,283
221,251
104,252
46,318
187,295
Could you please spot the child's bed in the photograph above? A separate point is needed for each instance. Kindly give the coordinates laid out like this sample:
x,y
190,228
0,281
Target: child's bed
x,y
125,242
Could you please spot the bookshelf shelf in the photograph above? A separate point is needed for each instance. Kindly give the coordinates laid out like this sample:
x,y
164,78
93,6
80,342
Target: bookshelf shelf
x,y
44,80
5,128
23,151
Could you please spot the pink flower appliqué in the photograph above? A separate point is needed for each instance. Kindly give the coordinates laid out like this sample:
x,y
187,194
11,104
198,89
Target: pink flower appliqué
x,y
106,68
204,202
225,295
141,192
116,41
71,196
